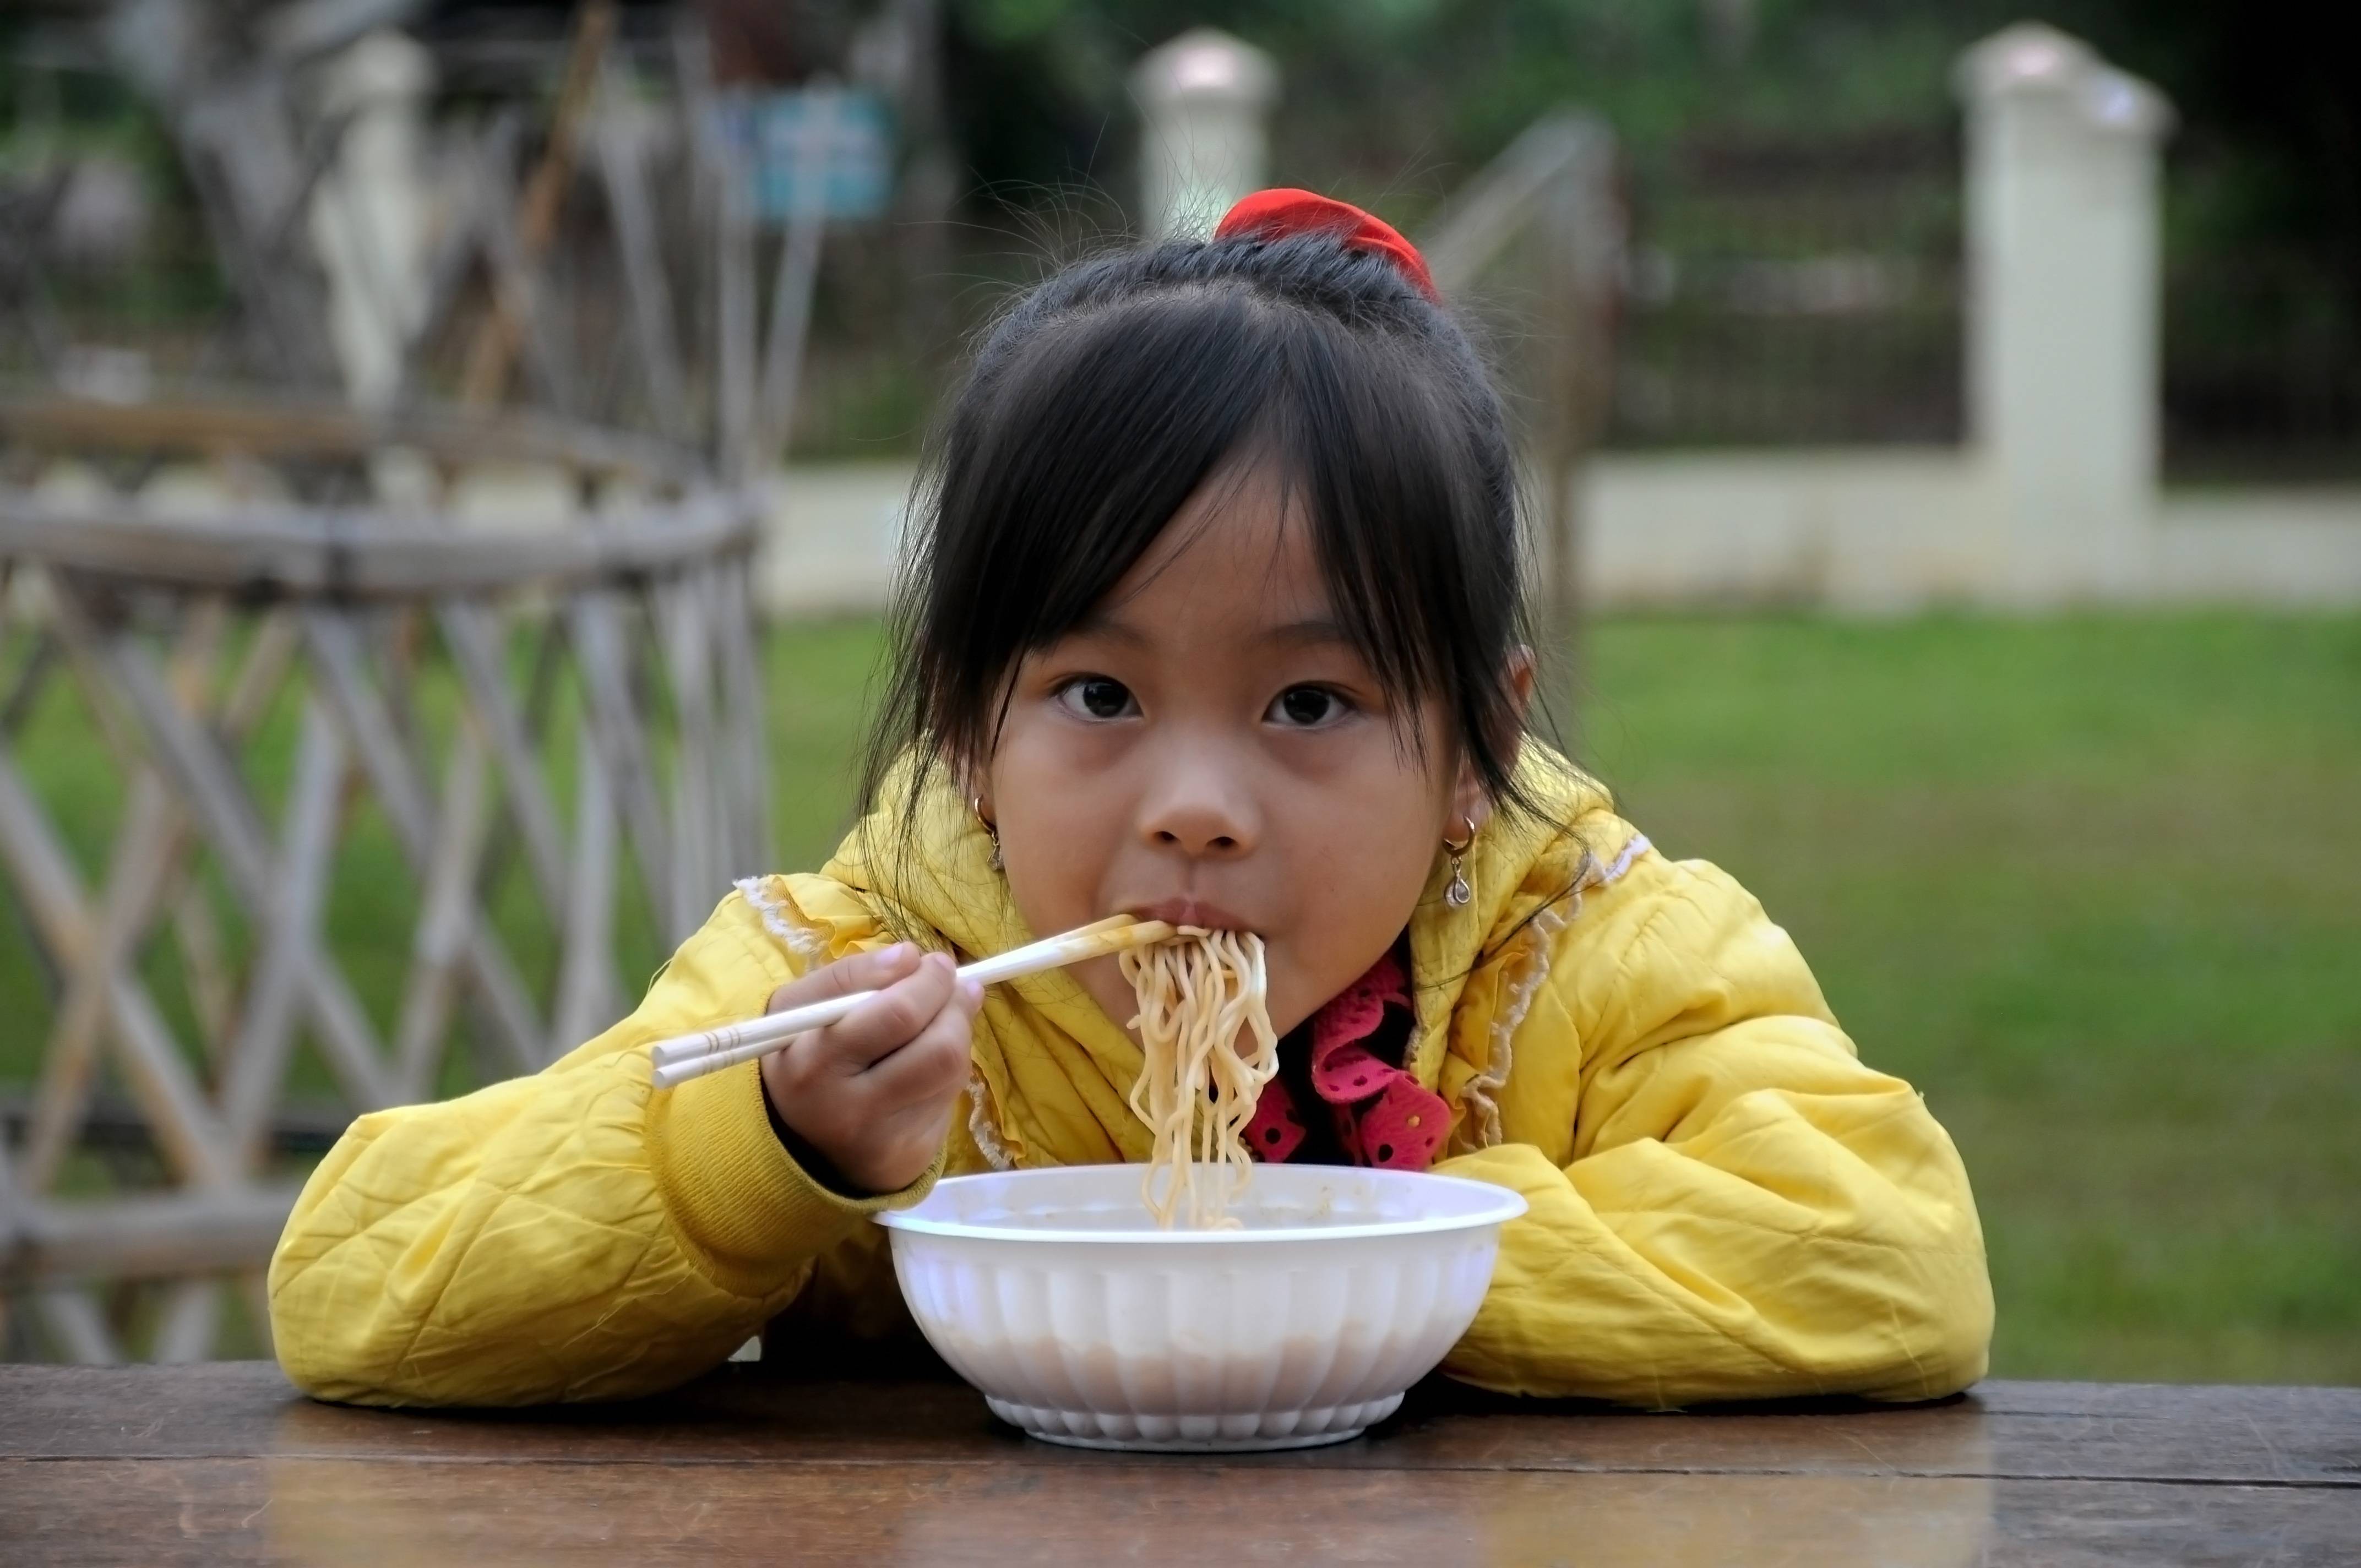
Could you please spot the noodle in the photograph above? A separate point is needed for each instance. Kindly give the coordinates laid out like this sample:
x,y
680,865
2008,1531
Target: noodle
x,y
1196,995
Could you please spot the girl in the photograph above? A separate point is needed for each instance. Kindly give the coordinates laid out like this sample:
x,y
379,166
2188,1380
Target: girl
x,y
1212,619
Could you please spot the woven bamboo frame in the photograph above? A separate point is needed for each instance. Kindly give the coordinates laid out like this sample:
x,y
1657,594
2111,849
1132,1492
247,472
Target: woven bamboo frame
x,y
424,662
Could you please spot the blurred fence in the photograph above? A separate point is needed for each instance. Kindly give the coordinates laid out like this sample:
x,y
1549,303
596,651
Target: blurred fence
x,y
1788,291
2262,368
1792,291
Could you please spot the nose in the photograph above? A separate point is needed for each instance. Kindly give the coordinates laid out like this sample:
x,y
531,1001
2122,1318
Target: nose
x,y
1198,804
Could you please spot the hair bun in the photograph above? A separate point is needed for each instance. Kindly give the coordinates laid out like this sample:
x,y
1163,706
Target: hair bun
x,y
1280,213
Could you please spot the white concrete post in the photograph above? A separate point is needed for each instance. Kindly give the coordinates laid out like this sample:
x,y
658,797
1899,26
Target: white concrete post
x,y
1203,98
2064,307
369,214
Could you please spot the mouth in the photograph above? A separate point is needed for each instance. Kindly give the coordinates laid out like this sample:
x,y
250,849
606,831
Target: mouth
x,y
1190,912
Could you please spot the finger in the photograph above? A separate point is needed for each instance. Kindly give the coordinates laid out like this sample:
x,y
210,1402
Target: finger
x,y
861,972
889,1020
934,1064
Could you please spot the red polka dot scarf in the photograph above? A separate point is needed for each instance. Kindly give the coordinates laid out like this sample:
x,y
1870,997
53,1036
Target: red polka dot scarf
x,y
1381,1116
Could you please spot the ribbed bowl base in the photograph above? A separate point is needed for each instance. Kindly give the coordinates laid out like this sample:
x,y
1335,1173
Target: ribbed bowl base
x,y
1197,1434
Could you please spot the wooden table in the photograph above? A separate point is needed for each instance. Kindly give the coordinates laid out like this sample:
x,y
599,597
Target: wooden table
x,y
223,1464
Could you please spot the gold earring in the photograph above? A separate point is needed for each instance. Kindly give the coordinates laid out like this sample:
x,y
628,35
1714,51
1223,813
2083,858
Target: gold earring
x,y
976,804
1459,893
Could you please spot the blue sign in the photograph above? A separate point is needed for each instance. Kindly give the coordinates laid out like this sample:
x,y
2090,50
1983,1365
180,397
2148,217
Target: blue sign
x,y
825,151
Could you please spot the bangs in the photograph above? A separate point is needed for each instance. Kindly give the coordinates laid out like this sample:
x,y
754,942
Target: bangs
x,y
1113,422
1109,398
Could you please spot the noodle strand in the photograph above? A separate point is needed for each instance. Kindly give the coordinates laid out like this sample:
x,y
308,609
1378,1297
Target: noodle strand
x,y
1199,1082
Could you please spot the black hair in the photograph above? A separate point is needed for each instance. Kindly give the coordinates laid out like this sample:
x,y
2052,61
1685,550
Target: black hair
x,y
1110,393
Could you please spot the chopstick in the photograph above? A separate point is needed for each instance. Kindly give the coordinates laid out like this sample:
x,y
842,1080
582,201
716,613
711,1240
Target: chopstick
x,y
693,1055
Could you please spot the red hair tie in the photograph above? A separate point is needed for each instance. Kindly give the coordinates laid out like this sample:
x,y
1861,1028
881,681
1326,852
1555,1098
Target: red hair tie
x,y
1281,213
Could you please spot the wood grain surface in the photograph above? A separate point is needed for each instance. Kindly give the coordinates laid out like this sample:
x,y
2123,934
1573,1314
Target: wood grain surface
x,y
225,1463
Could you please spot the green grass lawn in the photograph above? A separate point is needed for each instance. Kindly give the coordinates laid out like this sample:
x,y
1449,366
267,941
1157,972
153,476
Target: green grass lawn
x,y
2094,884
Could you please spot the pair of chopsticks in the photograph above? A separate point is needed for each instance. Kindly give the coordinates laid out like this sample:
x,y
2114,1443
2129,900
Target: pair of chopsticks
x,y
693,1055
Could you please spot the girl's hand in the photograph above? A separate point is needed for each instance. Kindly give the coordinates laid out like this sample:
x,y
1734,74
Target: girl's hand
x,y
872,1093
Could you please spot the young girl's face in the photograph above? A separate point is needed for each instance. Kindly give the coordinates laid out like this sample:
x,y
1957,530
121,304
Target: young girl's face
x,y
1207,748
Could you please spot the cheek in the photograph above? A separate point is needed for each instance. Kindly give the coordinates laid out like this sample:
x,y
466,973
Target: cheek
x,y
1363,846
1368,871
1059,820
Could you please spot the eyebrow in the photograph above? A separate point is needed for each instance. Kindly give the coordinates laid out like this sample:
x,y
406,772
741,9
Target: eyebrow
x,y
1096,624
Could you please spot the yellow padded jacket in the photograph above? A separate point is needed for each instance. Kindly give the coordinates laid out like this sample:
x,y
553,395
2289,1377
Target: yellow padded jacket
x,y
1725,1203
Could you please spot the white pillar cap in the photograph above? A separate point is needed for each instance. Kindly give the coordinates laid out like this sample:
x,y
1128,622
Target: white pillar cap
x,y
2031,60
1204,64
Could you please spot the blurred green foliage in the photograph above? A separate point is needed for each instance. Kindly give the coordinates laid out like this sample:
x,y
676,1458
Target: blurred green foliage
x,y
1394,102
1401,98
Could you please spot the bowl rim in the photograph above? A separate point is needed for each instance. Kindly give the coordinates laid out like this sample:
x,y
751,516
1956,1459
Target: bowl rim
x,y
1506,1204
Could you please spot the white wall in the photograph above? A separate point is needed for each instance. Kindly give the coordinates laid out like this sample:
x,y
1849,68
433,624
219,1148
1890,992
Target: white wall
x,y
2284,548
1859,530
830,539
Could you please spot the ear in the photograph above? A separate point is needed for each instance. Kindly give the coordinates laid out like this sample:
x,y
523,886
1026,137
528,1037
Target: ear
x,y
1469,801
1521,670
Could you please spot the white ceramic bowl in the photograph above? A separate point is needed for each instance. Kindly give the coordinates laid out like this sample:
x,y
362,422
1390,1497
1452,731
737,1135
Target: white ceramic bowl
x,y
1054,1293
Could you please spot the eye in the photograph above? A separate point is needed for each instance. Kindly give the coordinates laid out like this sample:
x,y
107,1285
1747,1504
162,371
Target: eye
x,y
1097,697
1308,707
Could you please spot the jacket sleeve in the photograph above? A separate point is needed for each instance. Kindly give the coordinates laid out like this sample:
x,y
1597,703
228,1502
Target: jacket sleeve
x,y
1737,1207
568,1235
